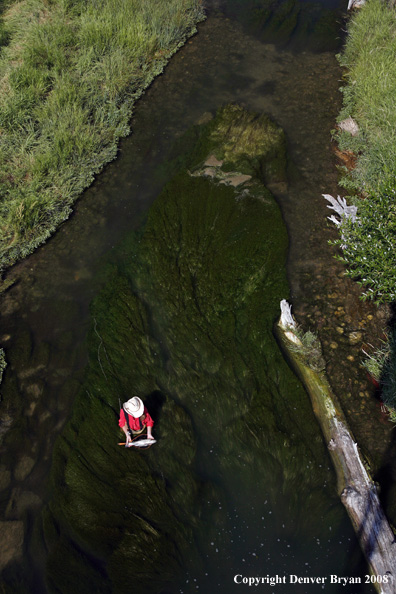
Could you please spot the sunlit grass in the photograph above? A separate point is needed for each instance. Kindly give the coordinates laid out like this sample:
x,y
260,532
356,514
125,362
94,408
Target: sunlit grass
x,y
370,93
70,72
370,98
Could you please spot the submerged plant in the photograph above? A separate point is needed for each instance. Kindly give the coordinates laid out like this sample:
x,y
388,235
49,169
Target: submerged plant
x,y
184,321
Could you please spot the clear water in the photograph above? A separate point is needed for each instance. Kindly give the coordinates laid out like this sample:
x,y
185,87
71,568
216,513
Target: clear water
x,y
45,315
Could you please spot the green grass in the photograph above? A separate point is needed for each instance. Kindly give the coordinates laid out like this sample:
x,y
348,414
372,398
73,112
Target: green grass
x,y
370,94
370,98
70,73
369,246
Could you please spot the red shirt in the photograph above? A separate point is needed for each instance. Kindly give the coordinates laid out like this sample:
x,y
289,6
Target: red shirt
x,y
134,422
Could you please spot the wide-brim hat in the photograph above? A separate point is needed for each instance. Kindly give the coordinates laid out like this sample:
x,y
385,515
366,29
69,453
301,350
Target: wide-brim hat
x,y
134,407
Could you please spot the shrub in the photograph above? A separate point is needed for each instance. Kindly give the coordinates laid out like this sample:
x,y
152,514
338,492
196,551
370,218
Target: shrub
x,y
369,244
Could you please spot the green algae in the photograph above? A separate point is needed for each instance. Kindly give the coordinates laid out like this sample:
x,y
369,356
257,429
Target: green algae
x,y
185,322
250,143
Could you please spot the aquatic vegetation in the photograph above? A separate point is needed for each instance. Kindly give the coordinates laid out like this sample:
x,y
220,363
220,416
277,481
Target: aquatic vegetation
x,y
70,74
250,143
243,141
185,322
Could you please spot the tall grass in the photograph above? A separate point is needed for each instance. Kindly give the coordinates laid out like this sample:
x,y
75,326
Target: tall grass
x,y
369,245
370,94
70,72
370,98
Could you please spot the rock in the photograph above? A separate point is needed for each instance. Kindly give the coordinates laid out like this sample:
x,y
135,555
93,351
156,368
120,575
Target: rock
x,y
11,542
355,4
236,179
355,337
5,478
31,409
34,390
5,424
212,161
205,118
349,125
23,468
30,371
19,502
209,171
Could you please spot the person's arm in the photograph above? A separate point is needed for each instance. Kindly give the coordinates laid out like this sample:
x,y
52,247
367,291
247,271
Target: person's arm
x,y
123,425
148,421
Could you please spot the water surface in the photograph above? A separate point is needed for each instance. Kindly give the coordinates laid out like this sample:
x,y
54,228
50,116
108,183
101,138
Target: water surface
x,y
45,315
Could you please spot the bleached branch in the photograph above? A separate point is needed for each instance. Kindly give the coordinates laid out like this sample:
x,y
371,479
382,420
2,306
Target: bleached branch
x,y
344,211
286,319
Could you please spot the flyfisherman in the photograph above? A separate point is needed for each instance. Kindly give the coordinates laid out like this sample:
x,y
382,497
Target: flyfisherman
x,y
134,419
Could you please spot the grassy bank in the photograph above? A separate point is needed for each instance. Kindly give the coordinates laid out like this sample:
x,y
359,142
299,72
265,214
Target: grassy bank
x,y
370,95
369,245
70,74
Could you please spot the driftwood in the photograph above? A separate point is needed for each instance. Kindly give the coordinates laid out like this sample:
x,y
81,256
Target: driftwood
x,y
355,4
349,125
356,488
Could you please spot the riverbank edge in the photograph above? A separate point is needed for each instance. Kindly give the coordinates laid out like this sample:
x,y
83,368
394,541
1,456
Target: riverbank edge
x,y
155,65
355,486
367,175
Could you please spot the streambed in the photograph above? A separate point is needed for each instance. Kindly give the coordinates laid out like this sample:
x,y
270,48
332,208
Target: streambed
x,y
45,316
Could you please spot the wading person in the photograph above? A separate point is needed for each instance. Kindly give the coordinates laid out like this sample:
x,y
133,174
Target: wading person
x,y
134,419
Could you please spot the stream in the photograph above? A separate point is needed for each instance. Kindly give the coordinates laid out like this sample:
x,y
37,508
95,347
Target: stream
x,y
289,520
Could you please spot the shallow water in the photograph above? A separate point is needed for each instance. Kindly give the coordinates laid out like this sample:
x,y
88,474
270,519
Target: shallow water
x,y
45,315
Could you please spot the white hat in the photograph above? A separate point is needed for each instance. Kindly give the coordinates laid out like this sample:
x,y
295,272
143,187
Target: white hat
x,y
134,407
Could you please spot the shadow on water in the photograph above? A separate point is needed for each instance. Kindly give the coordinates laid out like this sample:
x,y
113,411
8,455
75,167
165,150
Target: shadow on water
x,y
386,472
45,316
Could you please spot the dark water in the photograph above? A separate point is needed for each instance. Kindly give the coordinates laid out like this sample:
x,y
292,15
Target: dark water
x,y
45,315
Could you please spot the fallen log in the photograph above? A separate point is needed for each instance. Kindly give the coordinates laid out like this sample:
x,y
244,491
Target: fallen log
x,y
355,486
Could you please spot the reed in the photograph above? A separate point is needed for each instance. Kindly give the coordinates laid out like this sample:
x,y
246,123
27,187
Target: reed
x,y
70,73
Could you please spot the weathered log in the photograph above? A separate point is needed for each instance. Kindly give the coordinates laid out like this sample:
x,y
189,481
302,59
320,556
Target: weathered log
x,y
355,4
355,486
